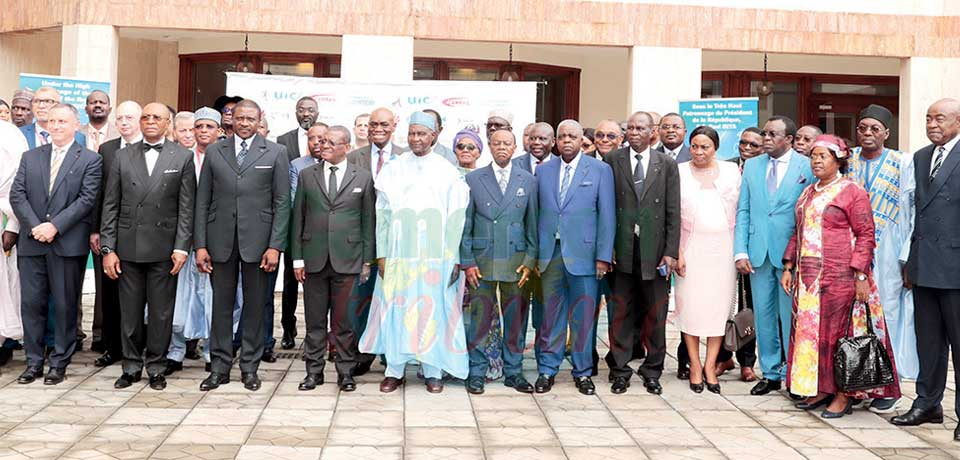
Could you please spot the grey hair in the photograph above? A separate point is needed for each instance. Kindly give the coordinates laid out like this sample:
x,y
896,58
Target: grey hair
x,y
569,122
185,116
72,109
343,130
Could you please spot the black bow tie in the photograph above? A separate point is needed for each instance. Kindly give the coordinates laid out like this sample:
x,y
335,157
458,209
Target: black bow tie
x,y
157,147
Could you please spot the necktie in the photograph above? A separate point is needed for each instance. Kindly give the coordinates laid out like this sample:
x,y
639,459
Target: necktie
x,y
379,161
159,147
937,162
332,189
55,163
96,138
565,184
772,178
46,137
243,152
638,176
503,181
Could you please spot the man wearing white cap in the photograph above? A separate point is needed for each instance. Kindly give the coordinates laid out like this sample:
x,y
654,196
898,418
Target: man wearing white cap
x,y
421,200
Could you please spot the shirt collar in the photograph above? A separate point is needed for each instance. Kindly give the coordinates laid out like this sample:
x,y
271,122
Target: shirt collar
x,y
497,168
785,158
124,143
573,163
340,166
237,140
301,132
949,145
387,149
644,154
65,148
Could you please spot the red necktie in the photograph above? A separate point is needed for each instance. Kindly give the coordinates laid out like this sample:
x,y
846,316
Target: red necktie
x,y
379,161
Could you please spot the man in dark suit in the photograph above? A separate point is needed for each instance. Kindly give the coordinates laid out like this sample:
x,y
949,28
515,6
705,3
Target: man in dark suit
x,y
295,141
372,157
931,268
673,130
106,310
333,235
498,252
243,209
540,150
576,224
53,195
37,133
148,224
646,248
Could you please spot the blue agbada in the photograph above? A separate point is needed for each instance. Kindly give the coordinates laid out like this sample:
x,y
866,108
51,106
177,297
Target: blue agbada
x,y
416,313
890,182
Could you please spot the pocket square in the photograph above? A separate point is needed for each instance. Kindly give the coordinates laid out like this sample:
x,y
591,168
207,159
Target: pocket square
x,y
586,184
171,171
357,190
520,192
263,167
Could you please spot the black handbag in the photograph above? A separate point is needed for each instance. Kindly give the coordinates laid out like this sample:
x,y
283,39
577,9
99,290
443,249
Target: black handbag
x,y
862,362
740,329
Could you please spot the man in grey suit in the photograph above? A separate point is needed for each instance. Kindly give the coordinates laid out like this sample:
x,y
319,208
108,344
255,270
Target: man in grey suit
x,y
333,235
931,268
498,251
673,130
540,150
647,240
148,224
53,195
243,209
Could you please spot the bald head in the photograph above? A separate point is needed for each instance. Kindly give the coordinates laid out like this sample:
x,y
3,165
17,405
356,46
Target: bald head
x,y
154,122
128,120
607,136
943,121
380,127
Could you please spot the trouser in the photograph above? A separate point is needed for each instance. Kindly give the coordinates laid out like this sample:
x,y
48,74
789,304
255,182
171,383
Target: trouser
x,y
937,325
637,307
479,316
773,310
327,293
107,307
359,309
534,292
140,284
569,300
224,280
397,370
288,315
42,278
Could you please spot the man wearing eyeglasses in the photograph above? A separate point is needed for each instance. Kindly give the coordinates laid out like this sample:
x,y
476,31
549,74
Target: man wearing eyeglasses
x,y
146,234
770,187
806,135
607,137
673,131
36,132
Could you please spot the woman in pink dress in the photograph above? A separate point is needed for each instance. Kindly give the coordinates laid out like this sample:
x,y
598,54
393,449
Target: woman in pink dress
x,y
706,279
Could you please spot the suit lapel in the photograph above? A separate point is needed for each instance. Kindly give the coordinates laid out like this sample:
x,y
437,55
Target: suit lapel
x,y
762,178
230,153
68,160
513,185
623,163
651,174
163,160
45,153
489,181
946,169
348,176
924,159
257,149
790,177
578,174
322,182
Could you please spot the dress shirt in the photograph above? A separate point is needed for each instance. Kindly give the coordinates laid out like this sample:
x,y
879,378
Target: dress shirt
x,y
947,148
341,173
375,153
151,155
302,142
95,136
782,166
237,140
497,169
39,136
124,143
573,171
534,162
645,155
672,153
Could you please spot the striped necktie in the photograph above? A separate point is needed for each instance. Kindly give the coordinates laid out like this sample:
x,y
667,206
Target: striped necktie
x,y
55,161
937,162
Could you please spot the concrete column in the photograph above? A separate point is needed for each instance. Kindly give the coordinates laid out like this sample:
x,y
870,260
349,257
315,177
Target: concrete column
x,y
90,52
923,81
376,58
659,77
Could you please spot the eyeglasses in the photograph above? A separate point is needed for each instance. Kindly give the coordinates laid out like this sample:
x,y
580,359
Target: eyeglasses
x,y
151,117
771,134
45,101
671,127
751,144
608,136
497,125
227,110
863,129
467,147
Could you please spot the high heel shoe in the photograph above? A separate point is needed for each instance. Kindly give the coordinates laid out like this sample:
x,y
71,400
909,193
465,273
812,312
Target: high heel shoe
x,y
696,387
714,388
803,405
846,410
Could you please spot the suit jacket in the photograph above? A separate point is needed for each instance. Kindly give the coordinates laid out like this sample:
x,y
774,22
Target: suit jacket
x,y
30,132
291,140
339,229
361,156
935,244
295,167
765,223
682,157
147,216
112,132
523,162
500,230
586,220
249,202
68,207
446,153
656,212
108,151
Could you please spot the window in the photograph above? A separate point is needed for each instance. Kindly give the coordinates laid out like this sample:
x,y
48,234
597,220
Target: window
x,y
711,89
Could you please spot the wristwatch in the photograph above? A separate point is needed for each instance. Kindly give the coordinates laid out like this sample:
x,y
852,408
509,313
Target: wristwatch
x,y
105,250
861,277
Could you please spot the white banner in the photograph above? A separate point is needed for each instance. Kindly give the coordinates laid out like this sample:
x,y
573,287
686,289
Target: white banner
x,y
460,103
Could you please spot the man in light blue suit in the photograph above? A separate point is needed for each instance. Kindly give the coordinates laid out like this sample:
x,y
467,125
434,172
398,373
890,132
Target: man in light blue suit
x,y
771,185
575,231
36,132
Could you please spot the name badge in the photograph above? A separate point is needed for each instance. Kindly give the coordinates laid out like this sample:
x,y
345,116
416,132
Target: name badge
x,y
263,167
171,171
357,190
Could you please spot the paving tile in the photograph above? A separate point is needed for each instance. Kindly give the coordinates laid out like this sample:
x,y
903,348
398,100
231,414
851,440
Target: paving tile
x,y
451,418
351,418
128,434
607,453
593,437
209,434
203,416
635,402
94,398
361,453
19,413
814,437
109,451
390,402
301,401
788,419
815,453
248,400
47,432
878,439
520,402
143,416
684,453
292,436
195,452
164,400
364,436
511,418
298,417
518,436
860,419
31,449
249,452
580,418
916,454
667,437
442,453
649,419
524,453
720,418
442,436
755,452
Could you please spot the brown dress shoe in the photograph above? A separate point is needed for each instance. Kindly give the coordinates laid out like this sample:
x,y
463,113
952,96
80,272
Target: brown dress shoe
x,y
390,384
747,374
434,385
725,366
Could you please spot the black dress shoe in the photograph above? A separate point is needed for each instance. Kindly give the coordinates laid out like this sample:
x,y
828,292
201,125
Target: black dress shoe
x,y
54,376
585,385
268,356
125,380
311,381
793,396
214,381
620,385
517,382
158,382
287,343
765,386
30,374
683,373
475,385
848,409
346,383
106,359
652,385
916,416
250,381
172,366
543,384
390,384
361,368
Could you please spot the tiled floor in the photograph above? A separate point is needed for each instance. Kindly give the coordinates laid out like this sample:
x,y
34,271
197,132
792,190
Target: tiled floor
x,y
85,418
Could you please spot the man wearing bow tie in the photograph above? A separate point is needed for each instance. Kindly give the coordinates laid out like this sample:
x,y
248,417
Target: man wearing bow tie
x,y
243,208
145,237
